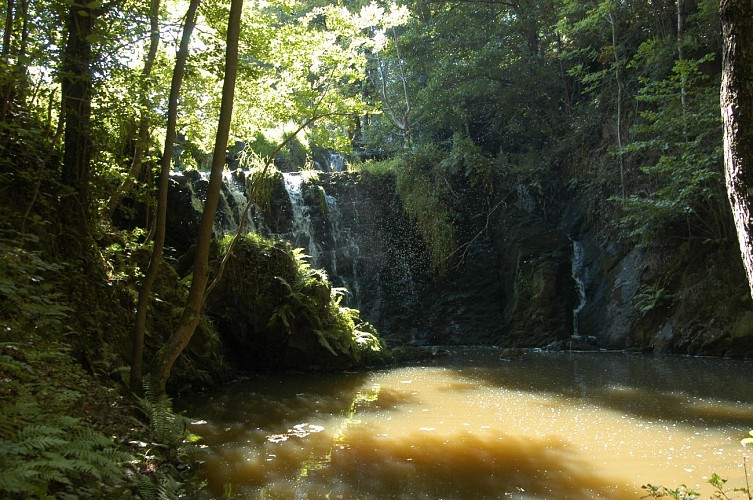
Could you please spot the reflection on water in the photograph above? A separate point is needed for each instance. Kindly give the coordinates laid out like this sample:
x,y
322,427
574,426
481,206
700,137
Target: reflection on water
x,y
577,426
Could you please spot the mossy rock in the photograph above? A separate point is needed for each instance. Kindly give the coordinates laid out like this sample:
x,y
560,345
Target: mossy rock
x,y
275,312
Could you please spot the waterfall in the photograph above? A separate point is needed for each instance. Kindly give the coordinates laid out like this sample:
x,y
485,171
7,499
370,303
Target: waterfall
x,y
330,161
312,220
337,162
302,234
322,230
230,206
578,272
346,249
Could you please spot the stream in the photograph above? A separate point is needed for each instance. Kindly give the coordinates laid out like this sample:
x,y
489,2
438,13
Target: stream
x,y
469,425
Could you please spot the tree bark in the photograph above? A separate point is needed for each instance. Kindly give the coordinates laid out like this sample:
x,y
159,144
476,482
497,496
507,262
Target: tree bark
x,y
166,356
737,116
681,53
8,30
618,78
76,87
139,326
6,87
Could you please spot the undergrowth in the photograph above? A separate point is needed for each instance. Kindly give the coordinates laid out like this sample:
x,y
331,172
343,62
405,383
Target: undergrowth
x,y
278,306
66,432
165,453
44,451
683,492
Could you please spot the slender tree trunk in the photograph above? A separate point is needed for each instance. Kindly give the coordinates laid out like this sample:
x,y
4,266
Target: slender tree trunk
x,y
8,29
401,120
404,83
681,53
737,117
142,139
76,86
618,79
139,327
166,356
6,88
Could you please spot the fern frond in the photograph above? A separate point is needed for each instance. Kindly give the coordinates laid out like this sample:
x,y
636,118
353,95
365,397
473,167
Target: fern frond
x,y
34,443
147,488
324,342
168,489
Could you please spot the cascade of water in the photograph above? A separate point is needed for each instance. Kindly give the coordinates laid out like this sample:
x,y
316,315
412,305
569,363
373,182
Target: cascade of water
x,y
303,231
196,202
337,162
578,271
322,230
236,198
230,205
345,248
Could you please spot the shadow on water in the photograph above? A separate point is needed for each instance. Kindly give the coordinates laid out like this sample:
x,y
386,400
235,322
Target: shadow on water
x,y
421,465
712,392
443,431
416,465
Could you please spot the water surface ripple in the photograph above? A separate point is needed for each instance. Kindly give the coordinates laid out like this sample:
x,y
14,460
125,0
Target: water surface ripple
x,y
551,425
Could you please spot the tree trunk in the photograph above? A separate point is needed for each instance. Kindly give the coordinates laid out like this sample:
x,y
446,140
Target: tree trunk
x,y
142,138
737,117
165,358
681,54
76,86
8,29
6,87
618,78
139,327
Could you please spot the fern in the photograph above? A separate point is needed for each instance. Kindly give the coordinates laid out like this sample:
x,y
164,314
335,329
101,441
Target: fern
x,y
170,442
167,429
42,450
159,487
323,341
651,297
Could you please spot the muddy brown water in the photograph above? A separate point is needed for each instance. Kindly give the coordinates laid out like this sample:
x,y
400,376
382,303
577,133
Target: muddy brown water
x,y
551,425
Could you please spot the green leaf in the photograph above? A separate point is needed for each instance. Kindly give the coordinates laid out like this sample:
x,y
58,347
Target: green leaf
x,y
324,342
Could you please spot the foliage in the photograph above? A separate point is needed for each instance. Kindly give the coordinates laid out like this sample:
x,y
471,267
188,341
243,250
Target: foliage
x,y
678,144
169,448
43,450
682,492
421,188
260,178
379,167
469,160
270,291
261,145
167,430
650,297
428,179
28,299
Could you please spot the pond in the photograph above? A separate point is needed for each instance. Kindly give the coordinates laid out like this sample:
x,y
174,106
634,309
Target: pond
x,y
469,425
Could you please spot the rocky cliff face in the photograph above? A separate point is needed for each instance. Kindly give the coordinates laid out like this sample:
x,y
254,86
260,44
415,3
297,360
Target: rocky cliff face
x,y
508,283
684,298
522,275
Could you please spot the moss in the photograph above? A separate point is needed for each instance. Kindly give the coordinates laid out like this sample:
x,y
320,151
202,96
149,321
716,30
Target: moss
x,y
275,311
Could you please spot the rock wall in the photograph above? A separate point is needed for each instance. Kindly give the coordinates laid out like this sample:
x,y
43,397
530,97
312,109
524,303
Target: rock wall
x,y
510,282
685,298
